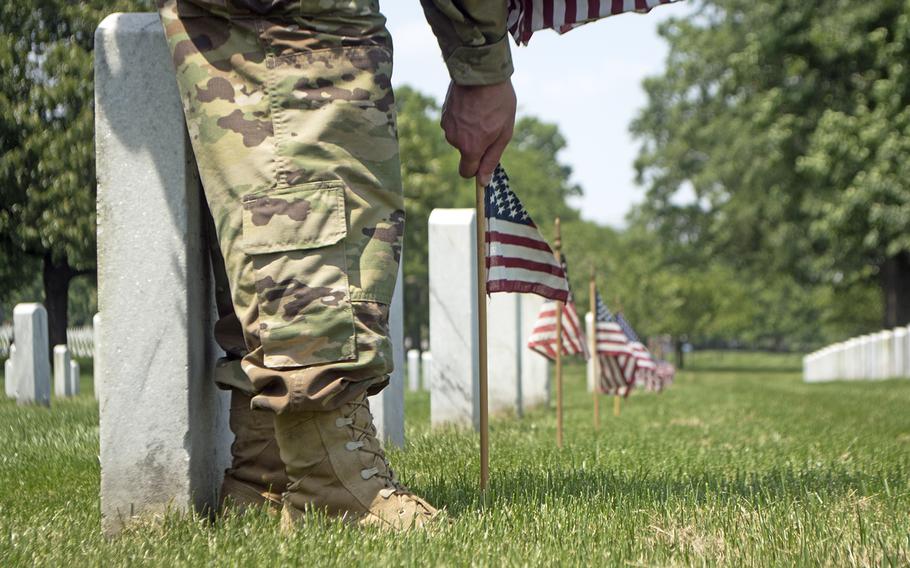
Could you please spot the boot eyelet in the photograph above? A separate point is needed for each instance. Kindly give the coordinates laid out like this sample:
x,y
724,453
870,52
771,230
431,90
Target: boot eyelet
x,y
352,446
342,422
368,473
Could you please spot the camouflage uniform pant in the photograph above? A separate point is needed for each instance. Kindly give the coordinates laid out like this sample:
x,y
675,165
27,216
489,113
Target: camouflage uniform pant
x,y
291,116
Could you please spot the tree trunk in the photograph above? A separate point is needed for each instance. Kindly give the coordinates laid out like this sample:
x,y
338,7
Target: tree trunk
x,y
56,278
680,354
895,284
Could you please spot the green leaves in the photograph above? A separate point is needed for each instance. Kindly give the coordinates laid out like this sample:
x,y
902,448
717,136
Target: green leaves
x,y
789,123
47,175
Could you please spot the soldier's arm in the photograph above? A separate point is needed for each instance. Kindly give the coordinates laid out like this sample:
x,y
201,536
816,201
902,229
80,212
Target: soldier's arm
x,y
473,37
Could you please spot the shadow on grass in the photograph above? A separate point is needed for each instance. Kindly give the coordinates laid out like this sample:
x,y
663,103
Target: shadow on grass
x,y
461,496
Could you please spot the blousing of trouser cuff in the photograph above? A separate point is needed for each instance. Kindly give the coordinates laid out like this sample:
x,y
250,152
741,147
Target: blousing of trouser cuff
x,y
319,387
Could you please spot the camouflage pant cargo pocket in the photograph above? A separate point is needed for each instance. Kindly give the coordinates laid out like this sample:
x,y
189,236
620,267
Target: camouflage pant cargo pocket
x,y
296,239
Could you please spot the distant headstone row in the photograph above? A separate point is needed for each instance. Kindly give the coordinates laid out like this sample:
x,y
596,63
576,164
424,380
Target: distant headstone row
x,y
882,355
81,341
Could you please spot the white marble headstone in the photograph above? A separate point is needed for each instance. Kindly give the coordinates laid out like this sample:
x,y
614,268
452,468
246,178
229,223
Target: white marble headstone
x,y
426,369
32,366
454,377
413,370
163,424
62,384
535,368
97,352
74,378
504,352
9,373
388,405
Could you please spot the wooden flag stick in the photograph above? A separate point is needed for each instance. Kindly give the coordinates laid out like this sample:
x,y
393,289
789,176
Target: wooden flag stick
x,y
480,223
557,251
616,398
595,391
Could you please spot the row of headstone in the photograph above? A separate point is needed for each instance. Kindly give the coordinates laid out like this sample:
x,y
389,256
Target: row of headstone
x,y
882,355
517,378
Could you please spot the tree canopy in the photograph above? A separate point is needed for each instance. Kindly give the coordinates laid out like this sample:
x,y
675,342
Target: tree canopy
x,y
788,123
47,156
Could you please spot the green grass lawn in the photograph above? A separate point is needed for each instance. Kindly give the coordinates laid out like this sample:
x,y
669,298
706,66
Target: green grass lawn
x,y
738,463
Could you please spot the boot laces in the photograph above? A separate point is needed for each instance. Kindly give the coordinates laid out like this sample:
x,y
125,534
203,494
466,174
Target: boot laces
x,y
365,440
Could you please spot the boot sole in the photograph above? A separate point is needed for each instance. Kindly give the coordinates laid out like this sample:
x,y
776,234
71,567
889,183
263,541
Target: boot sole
x,y
242,497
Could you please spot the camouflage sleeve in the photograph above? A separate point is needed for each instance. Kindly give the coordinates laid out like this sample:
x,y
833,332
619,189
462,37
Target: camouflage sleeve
x,y
472,36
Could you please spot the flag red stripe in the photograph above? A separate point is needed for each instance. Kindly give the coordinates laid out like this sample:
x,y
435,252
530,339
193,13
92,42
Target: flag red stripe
x,y
510,239
593,8
522,287
528,24
573,321
512,262
570,12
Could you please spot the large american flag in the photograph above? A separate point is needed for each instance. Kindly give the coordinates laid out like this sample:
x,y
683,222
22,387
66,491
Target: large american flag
x,y
543,335
527,16
518,258
617,366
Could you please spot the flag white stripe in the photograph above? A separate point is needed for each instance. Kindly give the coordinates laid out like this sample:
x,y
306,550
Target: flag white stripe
x,y
519,229
559,13
581,11
517,251
523,275
521,29
537,15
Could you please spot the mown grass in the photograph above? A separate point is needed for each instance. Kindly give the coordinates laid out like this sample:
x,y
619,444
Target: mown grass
x,y
727,468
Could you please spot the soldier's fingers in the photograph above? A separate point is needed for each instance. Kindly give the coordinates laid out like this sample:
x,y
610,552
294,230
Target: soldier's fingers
x,y
467,168
492,156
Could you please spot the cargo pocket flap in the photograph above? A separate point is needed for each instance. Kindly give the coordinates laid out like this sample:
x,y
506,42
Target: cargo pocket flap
x,y
295,218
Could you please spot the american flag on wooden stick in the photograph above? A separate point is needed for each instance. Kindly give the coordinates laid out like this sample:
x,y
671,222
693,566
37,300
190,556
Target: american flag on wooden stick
x,y
528,16
543,335
663,375
518,258
617,366
644,362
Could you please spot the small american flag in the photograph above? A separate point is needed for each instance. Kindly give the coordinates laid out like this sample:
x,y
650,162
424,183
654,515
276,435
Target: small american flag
x,y
543,336
644,362
527,16
518,258
617,366
663,376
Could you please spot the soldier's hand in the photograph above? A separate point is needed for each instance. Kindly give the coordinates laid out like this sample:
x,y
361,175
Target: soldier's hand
x,y
478,122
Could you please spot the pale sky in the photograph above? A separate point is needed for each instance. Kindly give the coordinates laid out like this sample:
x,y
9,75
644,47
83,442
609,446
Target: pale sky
x,y
587,81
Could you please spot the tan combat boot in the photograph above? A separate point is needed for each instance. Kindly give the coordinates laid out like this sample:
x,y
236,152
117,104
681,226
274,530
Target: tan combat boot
x,y
336,464
256,476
